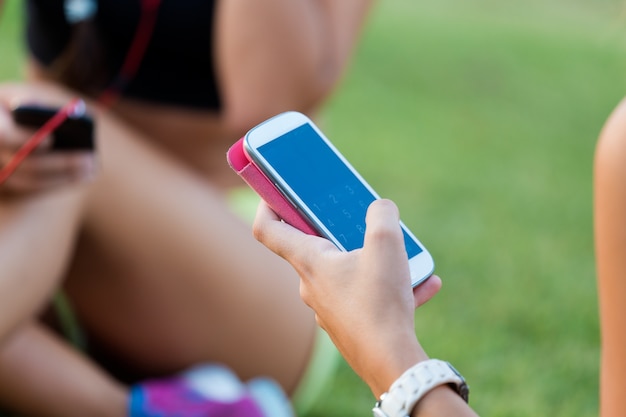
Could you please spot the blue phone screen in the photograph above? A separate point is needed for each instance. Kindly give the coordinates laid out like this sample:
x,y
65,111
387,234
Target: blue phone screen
x,y
325,184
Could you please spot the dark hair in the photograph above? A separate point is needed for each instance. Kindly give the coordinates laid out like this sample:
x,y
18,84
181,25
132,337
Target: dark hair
x,y
82,65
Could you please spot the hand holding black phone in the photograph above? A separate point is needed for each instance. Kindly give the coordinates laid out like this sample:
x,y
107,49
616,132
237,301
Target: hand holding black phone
x,y
76,133
72,132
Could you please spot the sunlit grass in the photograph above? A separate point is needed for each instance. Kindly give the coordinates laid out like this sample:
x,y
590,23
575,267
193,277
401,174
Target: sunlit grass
x,y
11,46
480,119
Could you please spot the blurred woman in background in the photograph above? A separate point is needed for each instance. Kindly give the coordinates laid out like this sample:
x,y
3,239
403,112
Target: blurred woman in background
x,y
142,237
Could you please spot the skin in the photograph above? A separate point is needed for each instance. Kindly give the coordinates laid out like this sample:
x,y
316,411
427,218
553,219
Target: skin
x,y
610,243
375,330
140,234
52,207
375,334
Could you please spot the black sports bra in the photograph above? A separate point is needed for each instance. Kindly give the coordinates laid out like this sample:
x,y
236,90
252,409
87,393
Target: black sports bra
x,y
177,67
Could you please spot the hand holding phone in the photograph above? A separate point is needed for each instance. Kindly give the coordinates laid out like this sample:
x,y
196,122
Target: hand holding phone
x,y
301,169
27,166
74,134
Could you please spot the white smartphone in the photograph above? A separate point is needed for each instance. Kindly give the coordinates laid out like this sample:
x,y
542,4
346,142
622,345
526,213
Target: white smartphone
x,y
328,192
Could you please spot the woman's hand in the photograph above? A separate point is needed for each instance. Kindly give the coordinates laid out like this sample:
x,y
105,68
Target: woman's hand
x,y
41,170
363,298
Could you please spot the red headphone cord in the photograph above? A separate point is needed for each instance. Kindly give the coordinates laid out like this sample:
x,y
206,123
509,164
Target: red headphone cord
x,y
136,52
134,56
30,145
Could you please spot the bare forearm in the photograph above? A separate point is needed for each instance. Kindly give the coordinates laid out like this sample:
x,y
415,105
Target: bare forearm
x,y
36,238
35,364
442,402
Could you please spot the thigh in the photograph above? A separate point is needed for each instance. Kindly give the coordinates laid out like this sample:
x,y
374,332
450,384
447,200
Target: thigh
x,y
166,275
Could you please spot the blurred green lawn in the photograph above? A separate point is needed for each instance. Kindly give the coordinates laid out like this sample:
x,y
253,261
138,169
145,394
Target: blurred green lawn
x,y
480,119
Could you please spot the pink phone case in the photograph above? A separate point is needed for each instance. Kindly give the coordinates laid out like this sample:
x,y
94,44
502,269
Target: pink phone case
x,y
241,164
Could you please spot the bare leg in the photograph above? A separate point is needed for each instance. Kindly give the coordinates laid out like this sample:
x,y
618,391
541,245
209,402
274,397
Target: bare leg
x,y
169,277
42,376
39,375
36,239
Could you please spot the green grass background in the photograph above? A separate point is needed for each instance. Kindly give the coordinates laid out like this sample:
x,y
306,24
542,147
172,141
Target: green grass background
x,y
480,120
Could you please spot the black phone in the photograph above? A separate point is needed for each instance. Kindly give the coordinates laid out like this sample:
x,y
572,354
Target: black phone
x,y
76,133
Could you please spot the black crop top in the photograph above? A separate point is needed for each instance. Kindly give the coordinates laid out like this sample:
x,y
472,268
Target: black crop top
x,y
177,67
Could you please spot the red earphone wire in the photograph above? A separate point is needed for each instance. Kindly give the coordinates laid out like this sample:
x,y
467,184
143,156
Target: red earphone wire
x,y
134,56
37,138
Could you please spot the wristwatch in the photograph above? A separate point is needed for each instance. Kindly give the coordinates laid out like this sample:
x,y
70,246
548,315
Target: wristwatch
x,y
413,384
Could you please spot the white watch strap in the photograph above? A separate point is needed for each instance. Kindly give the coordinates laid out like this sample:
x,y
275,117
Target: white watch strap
x,y
413,384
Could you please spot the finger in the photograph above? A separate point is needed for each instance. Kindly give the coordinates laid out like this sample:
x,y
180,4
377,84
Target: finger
x,y
264,213
382,231
272,232
13,136
77,165
14,94
5,124
38,172
426,290
283,239
18,136
25,185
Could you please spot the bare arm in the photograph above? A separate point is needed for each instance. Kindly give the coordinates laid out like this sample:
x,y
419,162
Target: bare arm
x,y
35,364
610,240
277,55
40,212
38,216
363,299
